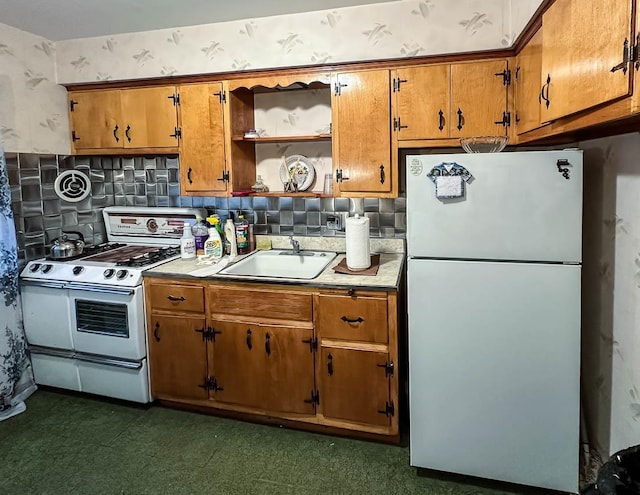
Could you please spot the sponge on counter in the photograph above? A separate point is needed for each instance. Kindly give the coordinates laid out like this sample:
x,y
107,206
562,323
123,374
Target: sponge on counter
x,y
263,243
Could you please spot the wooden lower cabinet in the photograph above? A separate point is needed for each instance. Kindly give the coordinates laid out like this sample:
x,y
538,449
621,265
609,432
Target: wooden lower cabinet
x,y
176,342
354,386
262,366
314,359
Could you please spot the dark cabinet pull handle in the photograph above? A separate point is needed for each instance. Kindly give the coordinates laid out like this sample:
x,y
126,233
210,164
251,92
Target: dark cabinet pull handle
x,y
155,332
267,344
544,96
115,133
249,344
359,319
74,138
330,364
189,176
460,119
440,120
381,174
126,133
174,298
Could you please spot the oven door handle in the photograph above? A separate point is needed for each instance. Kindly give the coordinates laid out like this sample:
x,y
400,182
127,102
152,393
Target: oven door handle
x,y
100,288
109,361
40,283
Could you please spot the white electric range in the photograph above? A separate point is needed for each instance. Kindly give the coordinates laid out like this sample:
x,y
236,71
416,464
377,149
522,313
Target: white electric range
x,y
84,316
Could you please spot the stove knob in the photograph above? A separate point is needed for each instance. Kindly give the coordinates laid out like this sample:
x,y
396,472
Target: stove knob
x,y
109,272
34,267
46,268
120,274
77,270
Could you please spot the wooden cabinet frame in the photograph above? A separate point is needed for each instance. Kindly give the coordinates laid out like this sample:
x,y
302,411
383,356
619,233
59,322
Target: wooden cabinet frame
x,y
256,351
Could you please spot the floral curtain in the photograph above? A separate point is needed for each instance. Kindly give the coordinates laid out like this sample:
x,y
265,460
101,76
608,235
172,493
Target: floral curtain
x,y
16,377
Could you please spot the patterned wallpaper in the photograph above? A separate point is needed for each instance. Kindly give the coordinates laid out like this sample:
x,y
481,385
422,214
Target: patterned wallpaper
x,y
405,28
611,288
33,108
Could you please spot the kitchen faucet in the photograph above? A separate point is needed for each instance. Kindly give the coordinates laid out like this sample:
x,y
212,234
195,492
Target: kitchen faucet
x,y
295,244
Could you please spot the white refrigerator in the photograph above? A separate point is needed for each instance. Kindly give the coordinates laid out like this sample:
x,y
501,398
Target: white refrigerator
x,y
495,251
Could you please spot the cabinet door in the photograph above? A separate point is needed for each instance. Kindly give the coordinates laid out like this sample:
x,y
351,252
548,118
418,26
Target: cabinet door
x,y
362,131
422,102
353,385
95,119
478,99
527,80
177,357
289,369
582,41
238,363
149,117
202,151
262,366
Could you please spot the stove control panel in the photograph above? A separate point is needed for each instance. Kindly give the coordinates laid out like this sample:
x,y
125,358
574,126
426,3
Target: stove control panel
x,y
64,272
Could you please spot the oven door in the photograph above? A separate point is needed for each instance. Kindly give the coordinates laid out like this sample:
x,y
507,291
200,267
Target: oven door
x,y
46,313
108,321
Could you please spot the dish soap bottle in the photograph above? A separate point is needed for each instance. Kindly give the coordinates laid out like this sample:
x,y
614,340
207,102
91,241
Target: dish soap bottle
x,y
242,235
230,235
213,244
187,243
200,233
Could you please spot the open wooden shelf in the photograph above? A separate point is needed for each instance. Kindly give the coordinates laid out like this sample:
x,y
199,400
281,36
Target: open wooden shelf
x,y
284,139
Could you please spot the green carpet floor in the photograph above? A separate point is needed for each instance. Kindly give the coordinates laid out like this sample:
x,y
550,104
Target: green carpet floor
x,y
70,444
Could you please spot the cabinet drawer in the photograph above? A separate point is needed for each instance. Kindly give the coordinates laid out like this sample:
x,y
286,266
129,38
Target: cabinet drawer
x,y
261,303
352,318
176,297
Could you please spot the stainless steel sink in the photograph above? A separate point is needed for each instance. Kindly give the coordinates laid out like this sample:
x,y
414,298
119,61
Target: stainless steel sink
x,y
282,263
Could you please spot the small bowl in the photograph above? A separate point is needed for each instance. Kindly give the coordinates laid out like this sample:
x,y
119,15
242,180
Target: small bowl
x,y
484,144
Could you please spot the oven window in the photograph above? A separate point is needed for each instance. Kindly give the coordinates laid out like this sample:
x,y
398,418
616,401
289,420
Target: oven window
x,y
103,318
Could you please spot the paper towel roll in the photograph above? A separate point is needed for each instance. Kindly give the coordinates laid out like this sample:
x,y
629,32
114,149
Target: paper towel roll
x,y
357,239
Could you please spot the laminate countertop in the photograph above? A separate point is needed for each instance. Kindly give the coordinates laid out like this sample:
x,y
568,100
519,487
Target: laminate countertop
x,y
388,276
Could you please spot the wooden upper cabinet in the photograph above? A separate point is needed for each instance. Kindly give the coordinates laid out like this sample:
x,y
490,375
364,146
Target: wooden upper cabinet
x,y
149,117
449,101
95,119
527,85
118,119
582,41
478,98
202,143
361,118
422,102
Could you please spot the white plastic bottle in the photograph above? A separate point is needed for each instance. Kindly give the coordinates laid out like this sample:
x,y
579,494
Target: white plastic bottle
x,y
187,243
213,244
230,235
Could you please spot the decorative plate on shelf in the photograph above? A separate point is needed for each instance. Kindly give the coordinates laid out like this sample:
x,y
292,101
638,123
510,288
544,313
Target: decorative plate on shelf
x,y
300,170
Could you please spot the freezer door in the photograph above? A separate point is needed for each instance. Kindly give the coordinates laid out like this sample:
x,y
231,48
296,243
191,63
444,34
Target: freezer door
x,y
494,370
517,206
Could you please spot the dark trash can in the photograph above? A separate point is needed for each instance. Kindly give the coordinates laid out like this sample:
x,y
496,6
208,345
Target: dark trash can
x,y
620,475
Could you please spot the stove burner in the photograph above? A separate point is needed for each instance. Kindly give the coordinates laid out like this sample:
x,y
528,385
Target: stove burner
x,y
151,257
90,251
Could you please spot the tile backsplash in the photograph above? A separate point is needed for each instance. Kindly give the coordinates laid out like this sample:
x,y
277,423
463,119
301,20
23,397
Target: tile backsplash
x,y
41,216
